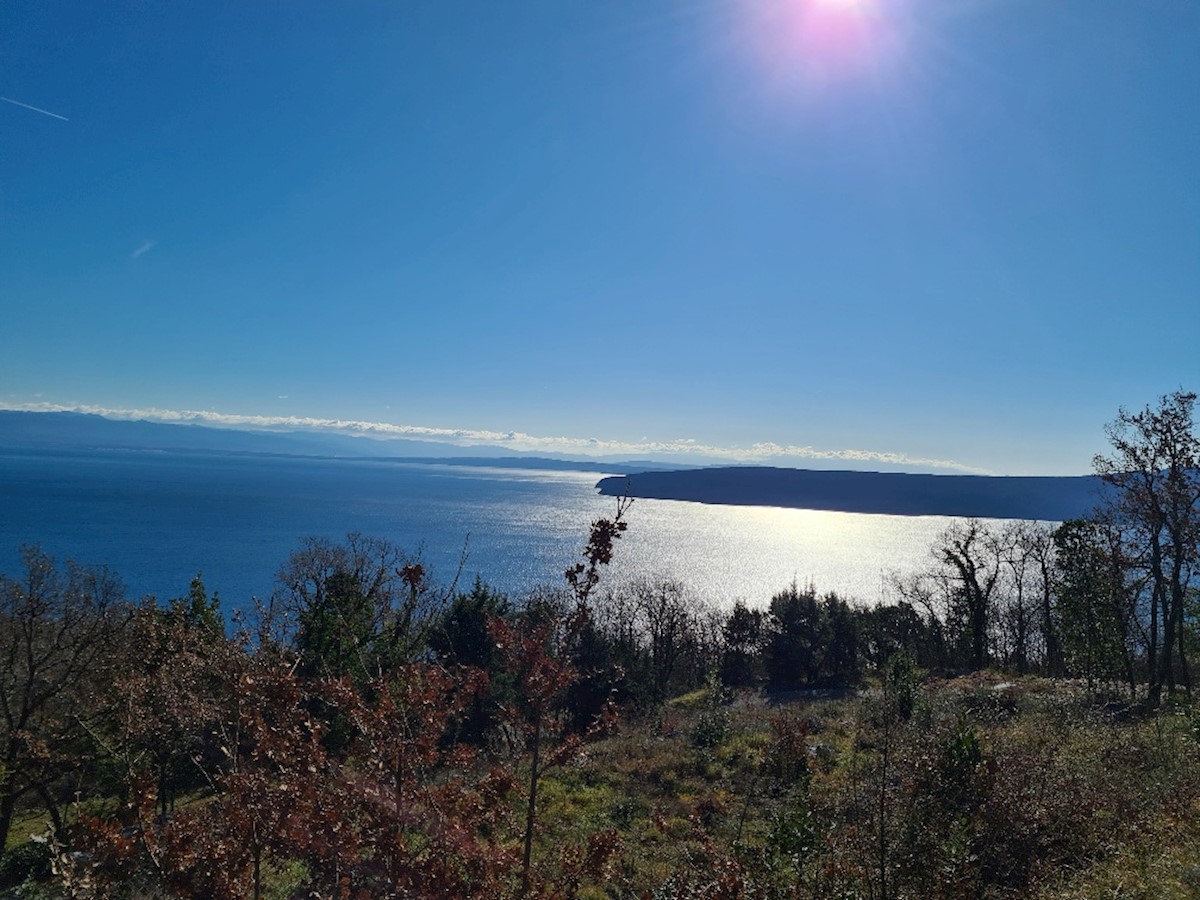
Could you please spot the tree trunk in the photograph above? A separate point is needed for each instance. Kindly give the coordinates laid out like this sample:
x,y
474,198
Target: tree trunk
x,y
1152,665
978,632
531,808
1054,655
8,807
1177,609
883,787
1166,653
56,822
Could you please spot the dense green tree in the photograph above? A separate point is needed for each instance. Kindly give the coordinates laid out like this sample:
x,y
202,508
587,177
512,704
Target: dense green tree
x,y
460,635
197,611
337,630
841,662
890,629
744,636
795,645
359,606
812,641
460,638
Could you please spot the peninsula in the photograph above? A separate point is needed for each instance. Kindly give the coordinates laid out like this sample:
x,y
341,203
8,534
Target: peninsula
x,y
1047,498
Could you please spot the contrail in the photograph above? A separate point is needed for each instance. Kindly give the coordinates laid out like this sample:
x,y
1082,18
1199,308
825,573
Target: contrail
x,y
44,112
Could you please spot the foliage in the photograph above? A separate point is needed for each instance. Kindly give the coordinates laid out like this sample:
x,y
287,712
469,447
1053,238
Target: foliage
x,y
354,607
1097,603
56,627
712,724
378,737
197,611
461,638
811,641
744,635
1154,474
538,653
24,862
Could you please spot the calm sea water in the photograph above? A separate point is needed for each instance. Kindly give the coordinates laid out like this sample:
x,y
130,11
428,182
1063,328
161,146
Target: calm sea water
x,y
159,518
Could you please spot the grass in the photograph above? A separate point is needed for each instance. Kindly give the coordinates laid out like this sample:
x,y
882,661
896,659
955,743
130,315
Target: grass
x,y
1161,864
996,787
25,827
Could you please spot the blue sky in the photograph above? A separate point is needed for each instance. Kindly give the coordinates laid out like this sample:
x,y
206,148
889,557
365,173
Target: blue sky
x,y
862,232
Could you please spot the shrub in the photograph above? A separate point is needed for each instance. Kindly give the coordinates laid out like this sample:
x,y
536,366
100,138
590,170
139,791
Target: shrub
x,y
25,862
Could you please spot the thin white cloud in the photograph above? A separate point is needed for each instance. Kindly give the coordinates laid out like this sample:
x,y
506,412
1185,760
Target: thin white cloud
x,y
36,109
761,452
143,248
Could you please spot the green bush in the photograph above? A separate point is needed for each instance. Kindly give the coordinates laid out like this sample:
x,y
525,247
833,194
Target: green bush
x,y
711,729
25,862
793,834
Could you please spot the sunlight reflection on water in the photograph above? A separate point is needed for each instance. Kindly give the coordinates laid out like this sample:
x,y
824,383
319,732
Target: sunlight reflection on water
x,y
158,519
749,553
723,553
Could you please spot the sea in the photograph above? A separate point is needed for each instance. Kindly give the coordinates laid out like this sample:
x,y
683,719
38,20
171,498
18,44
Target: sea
x,y
160,518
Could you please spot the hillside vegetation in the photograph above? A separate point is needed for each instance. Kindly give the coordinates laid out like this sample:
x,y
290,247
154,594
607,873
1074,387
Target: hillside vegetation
x,y
1020,725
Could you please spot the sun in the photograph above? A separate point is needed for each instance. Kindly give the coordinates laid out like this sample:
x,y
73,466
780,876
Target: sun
x,y
841,7
814,45
844,9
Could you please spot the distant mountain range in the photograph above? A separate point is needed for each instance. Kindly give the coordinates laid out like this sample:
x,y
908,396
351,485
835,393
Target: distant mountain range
x,y
1046,498
21,430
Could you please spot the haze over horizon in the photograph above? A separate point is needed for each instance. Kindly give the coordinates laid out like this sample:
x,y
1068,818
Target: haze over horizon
x,y
684,452
953,235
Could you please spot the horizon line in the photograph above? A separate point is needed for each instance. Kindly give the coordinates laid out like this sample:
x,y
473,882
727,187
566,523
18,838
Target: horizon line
x,y
758,452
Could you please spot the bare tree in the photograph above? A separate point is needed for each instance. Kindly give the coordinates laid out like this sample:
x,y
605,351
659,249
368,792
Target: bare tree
x,y
969,555
354,605
55,628
1026,595
666,620
1154,473
1036,540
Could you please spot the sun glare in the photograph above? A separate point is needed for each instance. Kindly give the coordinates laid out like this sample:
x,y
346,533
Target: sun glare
x,y
817,42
